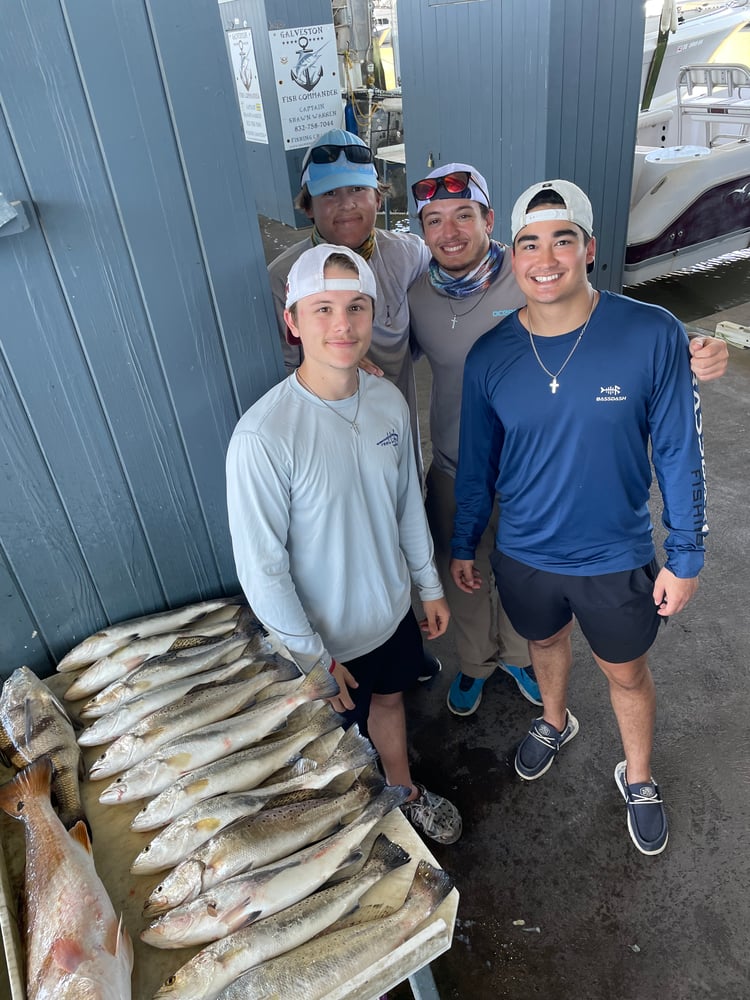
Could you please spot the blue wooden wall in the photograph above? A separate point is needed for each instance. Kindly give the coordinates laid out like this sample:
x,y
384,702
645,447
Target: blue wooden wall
x,y
136,323
528,90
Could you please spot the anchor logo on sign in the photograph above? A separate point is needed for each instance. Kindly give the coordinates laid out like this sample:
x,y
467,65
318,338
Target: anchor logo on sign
x,y
308,70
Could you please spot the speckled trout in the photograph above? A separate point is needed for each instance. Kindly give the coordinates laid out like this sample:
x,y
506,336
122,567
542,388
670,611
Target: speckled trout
x,y
108,669
220,963
107,640
108,727
249,843
201,706
314,969
210,743
245,898
75,946
214,813
159,670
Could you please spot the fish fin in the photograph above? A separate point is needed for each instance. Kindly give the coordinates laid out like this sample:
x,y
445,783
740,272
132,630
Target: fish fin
x,y
362,915
242,914
372,779
67,953
319,683
124,943
119,940
80,833
247,623
34,780
356,856
388,853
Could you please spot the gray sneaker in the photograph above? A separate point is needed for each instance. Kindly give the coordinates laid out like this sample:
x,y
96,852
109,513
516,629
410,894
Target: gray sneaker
x,y
434,816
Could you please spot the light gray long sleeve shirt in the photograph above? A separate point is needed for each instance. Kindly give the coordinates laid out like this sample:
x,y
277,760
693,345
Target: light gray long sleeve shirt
x,y
328,527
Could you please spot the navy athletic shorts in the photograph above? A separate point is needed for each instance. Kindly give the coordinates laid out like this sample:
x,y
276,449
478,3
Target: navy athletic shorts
x,y
616,611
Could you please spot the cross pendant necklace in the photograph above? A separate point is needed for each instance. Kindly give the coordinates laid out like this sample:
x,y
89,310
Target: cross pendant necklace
x,y
457,316
554,384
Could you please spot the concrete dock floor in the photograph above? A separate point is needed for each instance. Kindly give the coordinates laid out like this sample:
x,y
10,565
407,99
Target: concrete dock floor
x,y
602,921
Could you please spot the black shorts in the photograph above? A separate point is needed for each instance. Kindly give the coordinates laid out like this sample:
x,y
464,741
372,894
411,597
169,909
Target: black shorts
x,y
392,667
616,611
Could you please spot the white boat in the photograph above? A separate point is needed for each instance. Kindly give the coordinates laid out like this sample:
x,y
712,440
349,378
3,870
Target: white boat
x,y
697,29
690,199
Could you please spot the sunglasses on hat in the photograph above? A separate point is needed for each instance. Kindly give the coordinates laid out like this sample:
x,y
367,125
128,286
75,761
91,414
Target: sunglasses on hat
x,y
456,185
329,154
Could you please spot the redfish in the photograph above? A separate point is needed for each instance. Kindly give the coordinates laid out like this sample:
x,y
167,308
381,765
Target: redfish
x,y
76,948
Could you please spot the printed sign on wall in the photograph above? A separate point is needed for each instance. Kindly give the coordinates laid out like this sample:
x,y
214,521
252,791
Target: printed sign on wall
x,y
307,82
247,85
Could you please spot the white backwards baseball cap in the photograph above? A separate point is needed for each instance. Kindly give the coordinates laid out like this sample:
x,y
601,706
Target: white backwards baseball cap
x,y
307,275
577,207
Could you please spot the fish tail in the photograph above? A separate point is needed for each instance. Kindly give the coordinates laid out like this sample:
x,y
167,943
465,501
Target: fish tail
x,y
35,780
319,683
247,624
372,779
354,749
430,883
387,854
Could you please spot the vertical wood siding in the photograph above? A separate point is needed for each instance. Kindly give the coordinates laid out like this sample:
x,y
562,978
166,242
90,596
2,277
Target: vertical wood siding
x,y
528,90
136,321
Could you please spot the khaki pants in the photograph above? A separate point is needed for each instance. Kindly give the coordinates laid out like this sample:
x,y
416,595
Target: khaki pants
x,y
481,628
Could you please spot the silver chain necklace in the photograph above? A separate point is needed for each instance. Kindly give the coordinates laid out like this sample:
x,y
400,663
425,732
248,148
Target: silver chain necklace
x,y
458,316
352,423
554,384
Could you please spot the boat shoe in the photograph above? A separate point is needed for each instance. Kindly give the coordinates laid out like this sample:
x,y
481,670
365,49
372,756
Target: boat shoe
x,y
541,745
434,816
647,821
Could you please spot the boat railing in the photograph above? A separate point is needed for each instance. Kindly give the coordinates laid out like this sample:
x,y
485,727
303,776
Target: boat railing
x,y
717,94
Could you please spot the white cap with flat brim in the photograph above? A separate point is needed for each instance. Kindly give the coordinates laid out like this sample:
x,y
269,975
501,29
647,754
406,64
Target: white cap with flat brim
x,y
577,207
307,275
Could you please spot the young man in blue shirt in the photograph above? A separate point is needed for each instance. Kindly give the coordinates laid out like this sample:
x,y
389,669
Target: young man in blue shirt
x,y
560,404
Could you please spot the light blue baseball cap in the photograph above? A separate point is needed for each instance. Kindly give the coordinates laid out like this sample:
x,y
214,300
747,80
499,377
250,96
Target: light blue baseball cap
x,y
324,169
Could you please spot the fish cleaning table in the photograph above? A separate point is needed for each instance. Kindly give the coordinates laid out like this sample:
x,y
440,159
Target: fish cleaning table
x,y
116,845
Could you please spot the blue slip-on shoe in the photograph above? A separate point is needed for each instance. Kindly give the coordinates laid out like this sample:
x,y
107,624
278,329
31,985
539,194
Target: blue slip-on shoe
x,y
431,667
526,681
647,821
465,694
541,745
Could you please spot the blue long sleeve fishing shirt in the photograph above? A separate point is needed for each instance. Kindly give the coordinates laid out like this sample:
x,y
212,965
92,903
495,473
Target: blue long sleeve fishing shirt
x,y
571,468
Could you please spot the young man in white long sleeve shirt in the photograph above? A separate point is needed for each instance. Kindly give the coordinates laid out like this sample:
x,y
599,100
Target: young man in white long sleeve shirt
x,y
328,527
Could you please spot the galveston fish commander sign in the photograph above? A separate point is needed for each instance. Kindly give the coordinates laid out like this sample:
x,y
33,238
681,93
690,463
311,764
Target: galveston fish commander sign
x,y
305,65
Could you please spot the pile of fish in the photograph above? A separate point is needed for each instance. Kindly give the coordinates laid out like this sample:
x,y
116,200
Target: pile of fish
x,y
205,730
